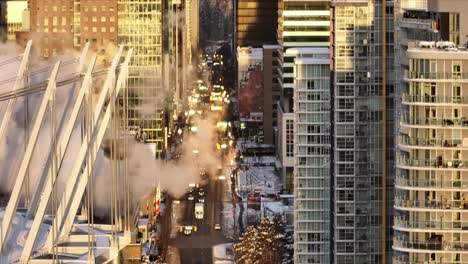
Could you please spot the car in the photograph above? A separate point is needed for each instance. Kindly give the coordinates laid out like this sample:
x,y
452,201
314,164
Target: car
x,y
187,230
191,197
201,192
217,227
201,200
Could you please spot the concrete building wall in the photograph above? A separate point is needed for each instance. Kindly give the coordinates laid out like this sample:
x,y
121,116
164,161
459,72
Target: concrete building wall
x,y
271,92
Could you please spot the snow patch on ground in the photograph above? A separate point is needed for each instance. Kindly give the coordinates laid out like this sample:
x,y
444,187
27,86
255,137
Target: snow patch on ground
x,y
223,253
19,229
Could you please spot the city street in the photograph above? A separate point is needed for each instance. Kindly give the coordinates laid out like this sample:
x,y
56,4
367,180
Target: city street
x,y
197,247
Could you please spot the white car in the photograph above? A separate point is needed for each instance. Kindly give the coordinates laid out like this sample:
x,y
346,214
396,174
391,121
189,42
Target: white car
x,y
217,227
201,200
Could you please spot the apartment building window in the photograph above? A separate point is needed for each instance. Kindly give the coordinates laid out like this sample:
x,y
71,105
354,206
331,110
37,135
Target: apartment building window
x,y
289,138
94,19
94,29
456,69
54,8
454,27
103,30
94,8
103,19
46,21
456,92
112,29
103,8
64,8
64,21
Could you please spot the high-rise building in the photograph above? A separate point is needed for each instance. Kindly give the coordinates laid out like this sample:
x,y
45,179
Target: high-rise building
x,y
62,25
362,174
360,161
312,150
431,175
3,21
256,22
140,27
14,16
302,24
52,22
286,106
431,198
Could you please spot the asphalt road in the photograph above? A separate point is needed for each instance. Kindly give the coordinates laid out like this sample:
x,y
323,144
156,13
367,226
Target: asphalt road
x,y
197,248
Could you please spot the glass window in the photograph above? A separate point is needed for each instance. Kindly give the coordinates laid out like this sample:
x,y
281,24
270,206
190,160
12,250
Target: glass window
x,y
456,69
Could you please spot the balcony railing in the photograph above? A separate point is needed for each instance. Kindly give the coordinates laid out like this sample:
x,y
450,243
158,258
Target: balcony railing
x,y
418,23
425,142
428,204
399,260
441,224
408,98
437,75
424,121
434,163
427,245
436,184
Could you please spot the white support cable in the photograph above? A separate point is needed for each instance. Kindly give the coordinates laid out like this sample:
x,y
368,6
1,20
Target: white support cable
x,y
62,147
65,138
11,102
10,210
63,211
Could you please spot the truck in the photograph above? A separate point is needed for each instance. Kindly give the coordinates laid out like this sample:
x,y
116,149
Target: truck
x,y
199,211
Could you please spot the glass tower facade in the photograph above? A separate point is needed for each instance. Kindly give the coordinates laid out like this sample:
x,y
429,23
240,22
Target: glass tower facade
x,y
362,144
312,159
140,28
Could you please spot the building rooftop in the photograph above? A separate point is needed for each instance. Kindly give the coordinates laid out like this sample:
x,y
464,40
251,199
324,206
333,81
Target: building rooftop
x,y
440,49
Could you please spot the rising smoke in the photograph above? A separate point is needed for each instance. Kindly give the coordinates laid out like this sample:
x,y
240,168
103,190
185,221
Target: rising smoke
x,y
144,171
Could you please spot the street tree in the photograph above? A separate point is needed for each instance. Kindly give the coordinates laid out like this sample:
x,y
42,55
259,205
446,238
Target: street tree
x,y
263,244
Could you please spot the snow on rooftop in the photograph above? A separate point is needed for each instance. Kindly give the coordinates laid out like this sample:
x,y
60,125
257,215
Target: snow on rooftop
x,y
265,180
